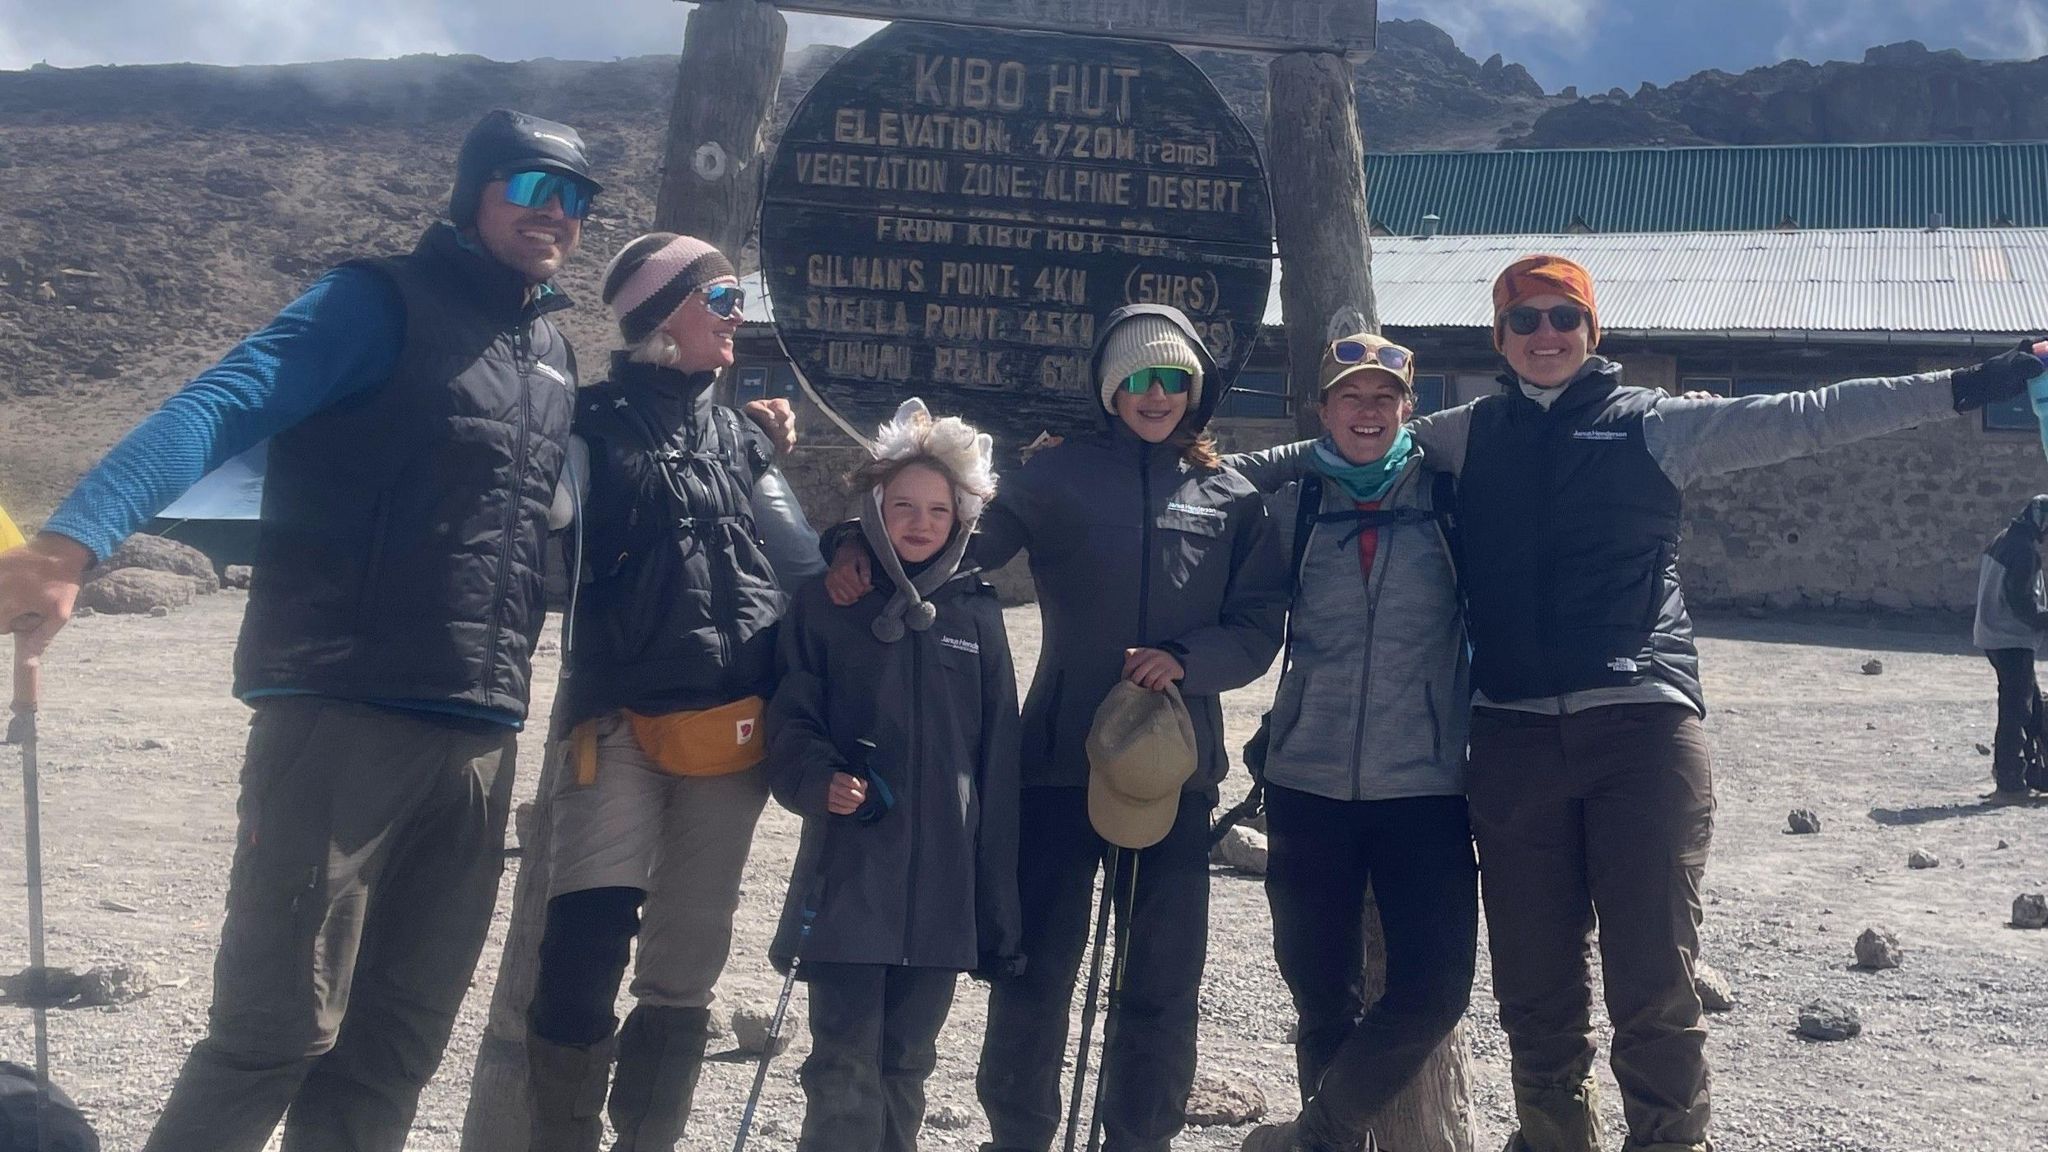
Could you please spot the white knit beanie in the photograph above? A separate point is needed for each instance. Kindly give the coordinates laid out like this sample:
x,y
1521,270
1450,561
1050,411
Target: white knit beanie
x,y
1143,342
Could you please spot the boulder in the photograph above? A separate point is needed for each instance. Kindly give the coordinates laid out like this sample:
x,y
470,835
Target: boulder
x,y
2030,911
1922,858
1829,1020
1715,991
237,576
1802,822
1873,667
157,554
137,591
750,1025
1221,1100
1878,949
1241,849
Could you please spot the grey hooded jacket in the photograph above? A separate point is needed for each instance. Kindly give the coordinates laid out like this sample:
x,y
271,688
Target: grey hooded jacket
x,y
1373,703
2012,601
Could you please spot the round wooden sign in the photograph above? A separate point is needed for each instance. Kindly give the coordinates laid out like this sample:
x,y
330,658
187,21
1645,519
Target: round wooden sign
x,y
953,211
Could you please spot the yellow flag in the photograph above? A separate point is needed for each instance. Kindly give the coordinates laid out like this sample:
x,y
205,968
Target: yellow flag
x,y
10,536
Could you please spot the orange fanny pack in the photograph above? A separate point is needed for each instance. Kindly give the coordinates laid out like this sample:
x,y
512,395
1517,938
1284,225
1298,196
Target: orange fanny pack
x,y
715,742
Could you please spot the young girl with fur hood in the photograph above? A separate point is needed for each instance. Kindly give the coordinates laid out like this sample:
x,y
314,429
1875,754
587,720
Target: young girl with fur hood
x,y
894,735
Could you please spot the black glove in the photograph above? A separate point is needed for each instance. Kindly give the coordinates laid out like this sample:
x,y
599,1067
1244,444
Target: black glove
x,y
993,967
1998,379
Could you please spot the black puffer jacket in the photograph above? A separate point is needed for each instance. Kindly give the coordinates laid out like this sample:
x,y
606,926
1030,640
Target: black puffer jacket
x,y
679,609
933,882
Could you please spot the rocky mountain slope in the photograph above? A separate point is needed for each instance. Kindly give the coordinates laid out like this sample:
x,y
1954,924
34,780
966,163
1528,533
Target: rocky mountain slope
x,y
149,216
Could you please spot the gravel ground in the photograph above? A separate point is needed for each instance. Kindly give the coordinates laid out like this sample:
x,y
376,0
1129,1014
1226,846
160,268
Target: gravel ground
x,y
141,745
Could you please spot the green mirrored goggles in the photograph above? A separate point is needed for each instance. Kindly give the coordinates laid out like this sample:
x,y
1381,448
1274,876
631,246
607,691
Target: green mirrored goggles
x,y
1172,381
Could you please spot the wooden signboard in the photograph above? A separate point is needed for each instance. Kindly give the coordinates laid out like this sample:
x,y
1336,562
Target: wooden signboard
x,y
951,213
1348,26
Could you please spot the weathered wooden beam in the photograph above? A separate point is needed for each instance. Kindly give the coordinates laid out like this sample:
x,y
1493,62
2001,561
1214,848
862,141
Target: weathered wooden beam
x,y
1434,1112
1346,26
1316,165
499,1119
717,129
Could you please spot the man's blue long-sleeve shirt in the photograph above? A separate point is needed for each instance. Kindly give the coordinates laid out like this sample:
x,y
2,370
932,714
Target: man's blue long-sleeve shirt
x,y
340,338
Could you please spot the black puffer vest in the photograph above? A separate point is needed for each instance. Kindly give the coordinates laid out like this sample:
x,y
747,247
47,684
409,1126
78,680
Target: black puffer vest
x,y
400,554
679,606
1570,535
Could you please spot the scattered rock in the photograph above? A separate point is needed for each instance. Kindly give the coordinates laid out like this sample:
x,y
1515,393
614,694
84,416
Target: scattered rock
x,y
717,1025
1802,822
2002,845
81,612
1922,858
1829,1020
1716,993
117,906
949,1118
547,647
750,1023
152,744
135,591
156,554
237,576
1242,849
2030,911
1878,949
99,987
1983,750
1225,1099
1873,667
160,611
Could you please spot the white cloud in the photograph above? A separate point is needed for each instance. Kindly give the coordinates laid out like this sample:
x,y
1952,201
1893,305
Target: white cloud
x,y
1483,27
1842,29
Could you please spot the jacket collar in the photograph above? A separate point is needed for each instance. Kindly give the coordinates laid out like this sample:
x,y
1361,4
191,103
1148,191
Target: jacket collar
x,y
1594,383
693,388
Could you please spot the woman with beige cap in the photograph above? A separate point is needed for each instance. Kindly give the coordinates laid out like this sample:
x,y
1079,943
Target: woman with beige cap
x,y
1157,565
1591,793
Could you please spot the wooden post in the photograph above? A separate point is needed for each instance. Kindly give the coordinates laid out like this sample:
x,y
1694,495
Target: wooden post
x,y
718,125
498,1120
1317,164
1316,159
1434,1112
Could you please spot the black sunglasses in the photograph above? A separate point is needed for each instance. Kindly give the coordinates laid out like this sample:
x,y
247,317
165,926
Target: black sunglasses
x,y
1563,318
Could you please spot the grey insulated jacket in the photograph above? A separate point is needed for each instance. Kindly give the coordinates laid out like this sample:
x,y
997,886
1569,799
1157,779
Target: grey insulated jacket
x,y
2012,602
933,882
1373,703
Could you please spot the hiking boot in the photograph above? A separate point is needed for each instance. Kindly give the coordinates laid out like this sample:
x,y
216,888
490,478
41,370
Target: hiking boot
x,y
565,1088
661,1054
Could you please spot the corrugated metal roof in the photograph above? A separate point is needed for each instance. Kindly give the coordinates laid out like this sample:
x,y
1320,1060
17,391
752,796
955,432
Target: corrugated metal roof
x,y
1722,189
1944,281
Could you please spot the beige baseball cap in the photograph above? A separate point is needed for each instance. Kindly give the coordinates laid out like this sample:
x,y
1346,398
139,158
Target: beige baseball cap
x,y
1366,352
1141,750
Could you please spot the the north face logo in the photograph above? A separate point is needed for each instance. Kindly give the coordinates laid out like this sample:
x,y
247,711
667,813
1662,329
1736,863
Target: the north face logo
x,y
745,730
1623,664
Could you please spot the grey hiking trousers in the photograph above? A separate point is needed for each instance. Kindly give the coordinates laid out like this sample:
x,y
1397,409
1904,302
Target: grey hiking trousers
x,y
366,870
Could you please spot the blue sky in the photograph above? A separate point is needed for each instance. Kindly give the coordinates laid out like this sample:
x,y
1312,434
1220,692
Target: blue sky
x,y
1595,44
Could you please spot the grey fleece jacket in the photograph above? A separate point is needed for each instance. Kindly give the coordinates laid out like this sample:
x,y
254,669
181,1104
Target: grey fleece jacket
x,y
1690,440
1373,703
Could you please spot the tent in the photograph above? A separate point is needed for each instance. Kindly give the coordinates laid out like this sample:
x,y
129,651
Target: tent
x,y
218,515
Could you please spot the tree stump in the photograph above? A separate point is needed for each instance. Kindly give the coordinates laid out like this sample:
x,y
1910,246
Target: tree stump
x,y
1434,1113
712,170
1316,163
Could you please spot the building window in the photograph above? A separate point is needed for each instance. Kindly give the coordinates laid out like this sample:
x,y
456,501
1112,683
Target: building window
x,y
1429,393
1718,385
2014,415
751,385
1257,396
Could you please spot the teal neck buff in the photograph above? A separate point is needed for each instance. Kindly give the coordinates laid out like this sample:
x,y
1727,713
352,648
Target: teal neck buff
x,y
1364,482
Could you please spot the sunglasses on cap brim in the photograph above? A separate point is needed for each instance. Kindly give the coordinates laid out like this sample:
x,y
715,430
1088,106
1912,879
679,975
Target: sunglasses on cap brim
x,y
1563,318
533,190
1392,357
1172,381
725,301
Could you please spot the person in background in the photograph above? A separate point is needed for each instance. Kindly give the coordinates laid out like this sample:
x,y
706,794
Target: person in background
x,y
418,411
894,735
1590,789
2011,625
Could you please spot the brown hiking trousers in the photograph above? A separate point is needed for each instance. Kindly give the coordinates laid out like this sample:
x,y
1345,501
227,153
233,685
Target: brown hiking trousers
x,y
366,870
1605,813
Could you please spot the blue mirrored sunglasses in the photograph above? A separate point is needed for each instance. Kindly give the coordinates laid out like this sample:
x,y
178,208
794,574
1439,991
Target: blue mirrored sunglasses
x,y
533,190
1392,357
1172,381
725,301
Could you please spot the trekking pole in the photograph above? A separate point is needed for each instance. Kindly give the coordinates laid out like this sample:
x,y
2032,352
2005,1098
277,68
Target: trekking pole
x,y
1088,1001
1116,987
21,730
863,749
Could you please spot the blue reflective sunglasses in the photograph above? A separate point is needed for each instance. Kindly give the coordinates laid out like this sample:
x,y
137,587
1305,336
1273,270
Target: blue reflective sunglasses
x,y
725,301
533,190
